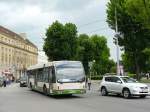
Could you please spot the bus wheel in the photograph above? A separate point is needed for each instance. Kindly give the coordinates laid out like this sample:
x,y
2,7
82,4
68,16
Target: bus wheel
x,y
45,90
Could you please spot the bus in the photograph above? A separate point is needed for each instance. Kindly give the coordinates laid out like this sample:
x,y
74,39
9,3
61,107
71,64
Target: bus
x,y
57,78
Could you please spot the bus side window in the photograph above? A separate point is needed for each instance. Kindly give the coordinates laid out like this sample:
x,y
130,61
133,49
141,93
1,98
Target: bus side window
x,y
50,74
40,75
45,75
53,75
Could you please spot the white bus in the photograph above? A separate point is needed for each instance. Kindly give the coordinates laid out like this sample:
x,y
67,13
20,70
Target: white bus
x,y
57,77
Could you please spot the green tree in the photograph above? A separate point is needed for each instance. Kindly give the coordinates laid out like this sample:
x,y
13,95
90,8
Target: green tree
x,y
84,51
147,53
100,54
132,32
140,11
61,41
111,66
94,48
128,62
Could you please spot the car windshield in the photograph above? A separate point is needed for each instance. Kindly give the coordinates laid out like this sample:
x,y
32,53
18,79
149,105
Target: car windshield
x,y
128,80
70,72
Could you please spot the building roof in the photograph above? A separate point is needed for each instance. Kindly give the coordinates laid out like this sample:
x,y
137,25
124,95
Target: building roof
x,y
15,35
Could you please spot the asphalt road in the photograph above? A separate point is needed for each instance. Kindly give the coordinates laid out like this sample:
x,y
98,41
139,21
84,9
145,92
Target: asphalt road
x,y
16,99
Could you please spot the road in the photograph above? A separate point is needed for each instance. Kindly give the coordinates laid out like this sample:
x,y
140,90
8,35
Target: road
x,y
16,99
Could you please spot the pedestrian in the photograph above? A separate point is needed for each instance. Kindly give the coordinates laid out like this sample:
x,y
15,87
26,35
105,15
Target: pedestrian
x,y
86,80
4,82
89,83
13,78
7,81
147,75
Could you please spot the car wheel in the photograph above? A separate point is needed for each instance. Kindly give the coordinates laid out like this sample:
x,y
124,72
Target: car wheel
x,y
142,96
126,93
104,91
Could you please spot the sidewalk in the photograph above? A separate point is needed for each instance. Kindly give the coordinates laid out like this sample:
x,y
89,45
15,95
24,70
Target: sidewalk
x,y
12,85
94,86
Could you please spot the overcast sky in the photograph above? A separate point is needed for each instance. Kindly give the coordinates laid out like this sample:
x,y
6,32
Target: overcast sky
x,y
34,16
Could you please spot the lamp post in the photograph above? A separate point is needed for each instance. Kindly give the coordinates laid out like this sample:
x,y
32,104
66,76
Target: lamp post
x,y
90,66
117,45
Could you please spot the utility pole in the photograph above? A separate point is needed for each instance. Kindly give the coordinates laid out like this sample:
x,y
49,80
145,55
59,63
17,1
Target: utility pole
x,y
117,46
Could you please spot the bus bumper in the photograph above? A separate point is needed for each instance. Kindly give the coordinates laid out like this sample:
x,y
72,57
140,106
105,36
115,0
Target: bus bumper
x,y
68,91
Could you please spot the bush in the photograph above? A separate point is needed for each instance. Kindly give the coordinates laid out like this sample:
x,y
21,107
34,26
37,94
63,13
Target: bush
x,y
132,75
96,77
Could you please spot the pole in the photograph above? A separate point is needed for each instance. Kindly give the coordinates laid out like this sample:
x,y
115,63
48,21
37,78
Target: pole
x,y
117,46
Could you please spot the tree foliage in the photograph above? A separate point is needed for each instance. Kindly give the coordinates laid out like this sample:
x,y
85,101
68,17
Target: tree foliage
x,y
132,30
63,43
85,51
60,42
94,48
101,54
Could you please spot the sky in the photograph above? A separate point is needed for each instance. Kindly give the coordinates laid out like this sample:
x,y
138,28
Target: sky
x,y
34,16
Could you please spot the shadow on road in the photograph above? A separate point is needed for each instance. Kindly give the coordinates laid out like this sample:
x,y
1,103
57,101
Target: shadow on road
x,y
65,96
59,96
133,97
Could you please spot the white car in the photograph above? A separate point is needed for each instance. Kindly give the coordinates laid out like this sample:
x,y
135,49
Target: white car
x,y
123,85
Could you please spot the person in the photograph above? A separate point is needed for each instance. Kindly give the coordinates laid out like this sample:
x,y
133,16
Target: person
x,y
13,79
4,82
7,81
147,75
86,80
89,83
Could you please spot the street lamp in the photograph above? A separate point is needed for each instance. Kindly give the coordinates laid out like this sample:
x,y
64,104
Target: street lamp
x,y
117,45
90,66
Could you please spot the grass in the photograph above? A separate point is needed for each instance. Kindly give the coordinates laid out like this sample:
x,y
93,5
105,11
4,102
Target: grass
x,y
145,80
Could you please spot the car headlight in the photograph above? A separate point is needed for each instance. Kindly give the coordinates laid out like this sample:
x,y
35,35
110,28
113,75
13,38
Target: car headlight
x,y
135,88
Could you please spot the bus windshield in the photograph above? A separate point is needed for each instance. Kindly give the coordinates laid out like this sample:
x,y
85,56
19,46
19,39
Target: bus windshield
x,y
70,72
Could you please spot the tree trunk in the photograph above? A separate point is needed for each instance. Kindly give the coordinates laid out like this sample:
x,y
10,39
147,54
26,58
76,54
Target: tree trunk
x,y
137,67
86,67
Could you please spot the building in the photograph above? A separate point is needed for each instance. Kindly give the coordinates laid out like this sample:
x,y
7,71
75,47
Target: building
x,y
16,53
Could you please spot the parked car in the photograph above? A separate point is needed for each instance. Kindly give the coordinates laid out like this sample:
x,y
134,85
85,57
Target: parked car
x,y
18,80
23,82
123,85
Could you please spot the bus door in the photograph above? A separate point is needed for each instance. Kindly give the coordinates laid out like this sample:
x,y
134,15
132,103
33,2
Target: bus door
x,y
51,78
35,79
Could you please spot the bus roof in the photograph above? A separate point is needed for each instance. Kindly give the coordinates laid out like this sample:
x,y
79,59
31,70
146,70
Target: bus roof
x,y
52,63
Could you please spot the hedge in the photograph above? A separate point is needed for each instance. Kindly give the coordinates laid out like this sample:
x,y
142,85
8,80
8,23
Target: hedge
x,y
96,77
132,75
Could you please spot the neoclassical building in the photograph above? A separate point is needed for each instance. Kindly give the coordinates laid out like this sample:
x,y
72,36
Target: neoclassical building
x,y
16,52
